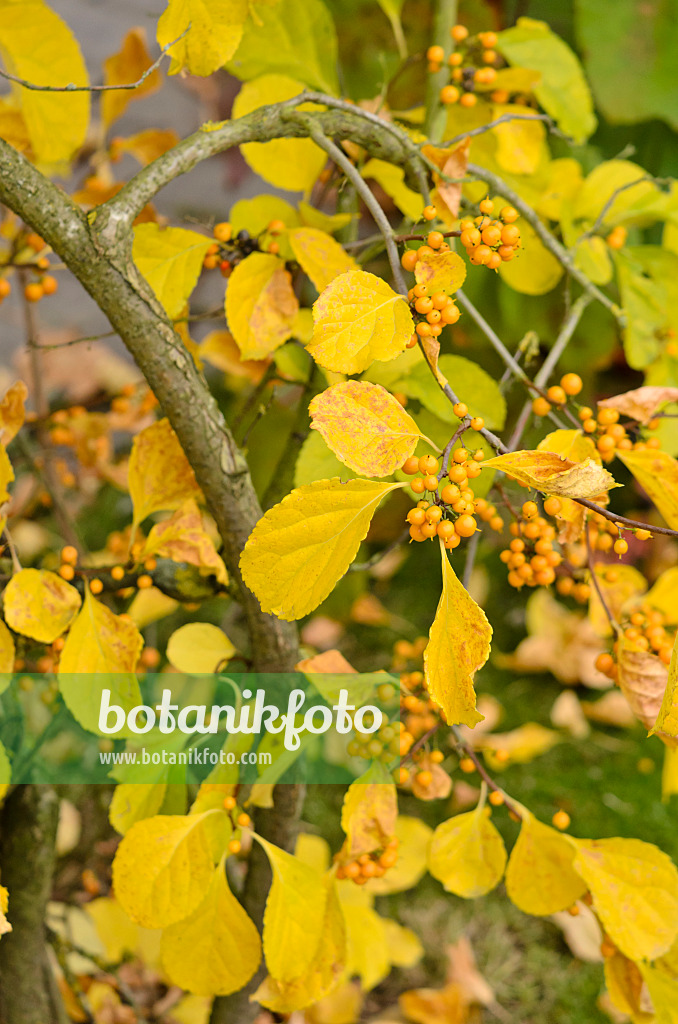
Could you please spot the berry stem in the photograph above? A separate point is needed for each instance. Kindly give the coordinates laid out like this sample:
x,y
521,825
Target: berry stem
x,y
616,628
465,750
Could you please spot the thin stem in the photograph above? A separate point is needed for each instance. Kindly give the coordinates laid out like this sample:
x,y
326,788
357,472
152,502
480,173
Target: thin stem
x,y
436,115
466,750
596,582
376,558
563,339
496,342
632,524
447,451
503,119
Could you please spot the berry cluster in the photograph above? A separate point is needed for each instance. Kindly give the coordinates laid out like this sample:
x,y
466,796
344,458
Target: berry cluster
x,y
570,385
531,558
430,312
490,242
611,435
645,629
450,513
227,251
369,865
29,252
472,63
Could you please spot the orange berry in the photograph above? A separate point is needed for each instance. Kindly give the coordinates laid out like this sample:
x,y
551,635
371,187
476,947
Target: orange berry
x,y
117,572
144,582
423,305
510,234
417,485
435,54
540,406
465,526
486,206
435,239
450,493
467,765
223,231
459,33
69,554
415,533
5,287
67,572
606,417
530,509
620,547
477,423
489,57
449,94
509,214
496,798
488,39
499,96
561,819
96,586
470,237
411,465
450,314
428,464
431,483
49,284
552,506
571,383
424,330
409,259
468,99
33,292
557,395
460,409
429,213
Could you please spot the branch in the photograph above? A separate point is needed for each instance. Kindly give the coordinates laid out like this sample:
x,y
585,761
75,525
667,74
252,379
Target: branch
x,y
631,524
436,114
549,241
503,119
596,582
71,87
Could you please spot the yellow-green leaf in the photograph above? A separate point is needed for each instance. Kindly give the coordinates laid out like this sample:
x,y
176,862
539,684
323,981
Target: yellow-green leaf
x,y
260,305
171,260
367,945
133,802
392,179
663,595
40,604
163,868
554,474
359,318
540,878
217,949
295,910
38,46
440,272
292,164
413,836
657,473
365,427
458,645
533,270
319,256
211,31
198,647
303,546
467,854
635,893
12,412
160,476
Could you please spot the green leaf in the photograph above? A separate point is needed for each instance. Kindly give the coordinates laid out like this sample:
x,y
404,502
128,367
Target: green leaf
x,y
473,385
631,58
171,260
648,282
292,37
562,92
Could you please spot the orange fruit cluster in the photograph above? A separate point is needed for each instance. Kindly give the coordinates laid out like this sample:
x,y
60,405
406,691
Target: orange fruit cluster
x,y
228,249
370,865
558,394
646,630
431,312
611,435
450,512
489,242
531,558
473,63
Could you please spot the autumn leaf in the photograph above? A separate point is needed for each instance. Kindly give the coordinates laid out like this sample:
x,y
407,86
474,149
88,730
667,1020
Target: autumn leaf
x,y
183,538
7,655
364,426
260,305
6,476
467,854
123,68
540,878
5,926
39,604
319,256
619,587
210,33
160,477
440,272
453,163
145,146
132,802
369,813
641,404
171,261
667,719
215,950
657,474
554,474
459,644
643,679
635,893
357,319
12,412
198,647
413,837
303,546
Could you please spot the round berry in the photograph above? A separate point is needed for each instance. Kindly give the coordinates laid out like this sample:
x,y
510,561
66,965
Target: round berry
x,y
571,383
411,465
561,819
620,546
435,54
459,33
429,213
428,464
449,94
552,506
409,259
530,509
508,214
540,406
556,395
468,99
223,231
465,526
486,206
460,409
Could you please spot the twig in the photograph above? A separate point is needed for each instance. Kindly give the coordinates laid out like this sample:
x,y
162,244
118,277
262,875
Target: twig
x,y
16,564
596,582
595,227
496,342
632,524
422,238
467,751
71,87
75,341
447,451
503,119
376,558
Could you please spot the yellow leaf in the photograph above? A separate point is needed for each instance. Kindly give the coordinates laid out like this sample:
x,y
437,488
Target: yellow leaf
x,y
116,931
359,318
6,476
663,994
564,179
540,878
313,850
149,606
667,719
133,802
12,412
369,813
657,473
554,474
520,746
365,427
5,926
467,854
403,946
643,679
440,272
38,46
183,538
260,305
211,31
12,125
146,146
533,270
572,444
392,180
292,164
625,584
198,647
413,836
123,68
635,893
624,983
458,645
160,477
294,916
520,144
217,949
453,163
663,595
367,953
323,973
303,546
163,868
7,654
40,604
642,403
171,260
319,256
